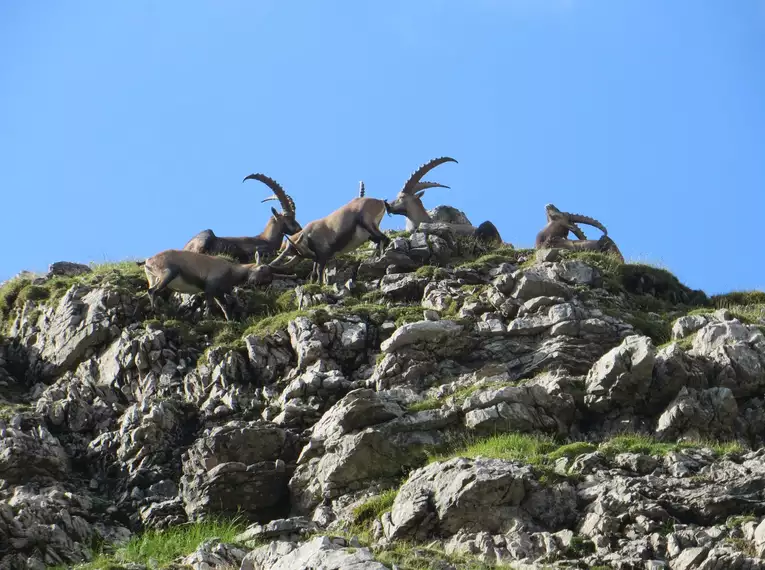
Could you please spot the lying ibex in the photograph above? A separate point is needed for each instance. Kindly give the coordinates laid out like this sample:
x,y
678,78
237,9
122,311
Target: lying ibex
x,y
192,272
559,224
351,225
245,249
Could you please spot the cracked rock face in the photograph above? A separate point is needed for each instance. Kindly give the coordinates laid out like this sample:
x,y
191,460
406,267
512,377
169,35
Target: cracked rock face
x,y
111,425
471,495
238,466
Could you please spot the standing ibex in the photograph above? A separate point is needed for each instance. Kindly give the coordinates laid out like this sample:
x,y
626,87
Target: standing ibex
x,y
245,249
191,272
559,224
351,225
348,227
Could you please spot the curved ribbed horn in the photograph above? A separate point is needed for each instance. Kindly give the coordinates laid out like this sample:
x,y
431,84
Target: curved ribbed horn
x,y
417,175
288,204
361,189
587,220
425,185
577,231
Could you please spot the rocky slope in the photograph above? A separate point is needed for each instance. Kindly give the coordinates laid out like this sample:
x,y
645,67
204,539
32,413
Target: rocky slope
x,y
446,406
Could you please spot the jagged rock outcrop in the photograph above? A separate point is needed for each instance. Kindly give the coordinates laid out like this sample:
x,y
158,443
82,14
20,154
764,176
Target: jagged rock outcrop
x,y
111,425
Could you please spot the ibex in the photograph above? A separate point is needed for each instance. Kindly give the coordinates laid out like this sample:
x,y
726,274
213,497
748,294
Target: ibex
x,y
559,224
408,202
191,272
351,225
245,249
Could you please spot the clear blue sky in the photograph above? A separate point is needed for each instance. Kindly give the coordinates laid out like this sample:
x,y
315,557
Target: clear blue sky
x,y
127,127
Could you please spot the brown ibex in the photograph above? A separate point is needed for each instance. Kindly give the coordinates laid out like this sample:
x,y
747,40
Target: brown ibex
x,y
245,249
351,225
191,272
559,224
408,202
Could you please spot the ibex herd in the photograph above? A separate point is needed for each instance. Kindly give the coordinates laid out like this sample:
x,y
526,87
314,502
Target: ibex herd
x,y
199,267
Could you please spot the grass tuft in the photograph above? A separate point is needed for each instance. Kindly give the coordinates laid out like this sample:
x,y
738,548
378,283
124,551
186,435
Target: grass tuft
x,y
160,548
412,556
431,272
639,443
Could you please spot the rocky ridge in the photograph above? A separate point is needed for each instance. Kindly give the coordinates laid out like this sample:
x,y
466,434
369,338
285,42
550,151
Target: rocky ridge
x,y
475,407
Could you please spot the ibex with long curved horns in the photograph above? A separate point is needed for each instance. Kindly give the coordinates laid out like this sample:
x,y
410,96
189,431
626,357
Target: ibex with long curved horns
x,y
244,249
559,224
351,225
408,202
191,272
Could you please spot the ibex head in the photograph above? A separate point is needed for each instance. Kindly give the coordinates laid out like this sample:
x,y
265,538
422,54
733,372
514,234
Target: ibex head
x,y
570,220
408,201
286,218
259,275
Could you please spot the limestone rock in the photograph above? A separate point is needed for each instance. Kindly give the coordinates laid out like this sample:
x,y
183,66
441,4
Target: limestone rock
x,y
320,553
237,466
622,376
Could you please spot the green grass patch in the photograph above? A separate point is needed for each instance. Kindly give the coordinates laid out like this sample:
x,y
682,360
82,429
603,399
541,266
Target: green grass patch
x,y
487,261
162,547
744,546
368,511
374,312
457,396
686,343
8,410
739,520
432,272
737,298
314,289
658,328
406,314
647,445
9,292
526,448
542,451
124,275
427,404
287,301
411,556
270,325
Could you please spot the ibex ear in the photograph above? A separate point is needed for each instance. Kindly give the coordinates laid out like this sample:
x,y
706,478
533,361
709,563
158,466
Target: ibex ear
x,y
276,214
420,194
